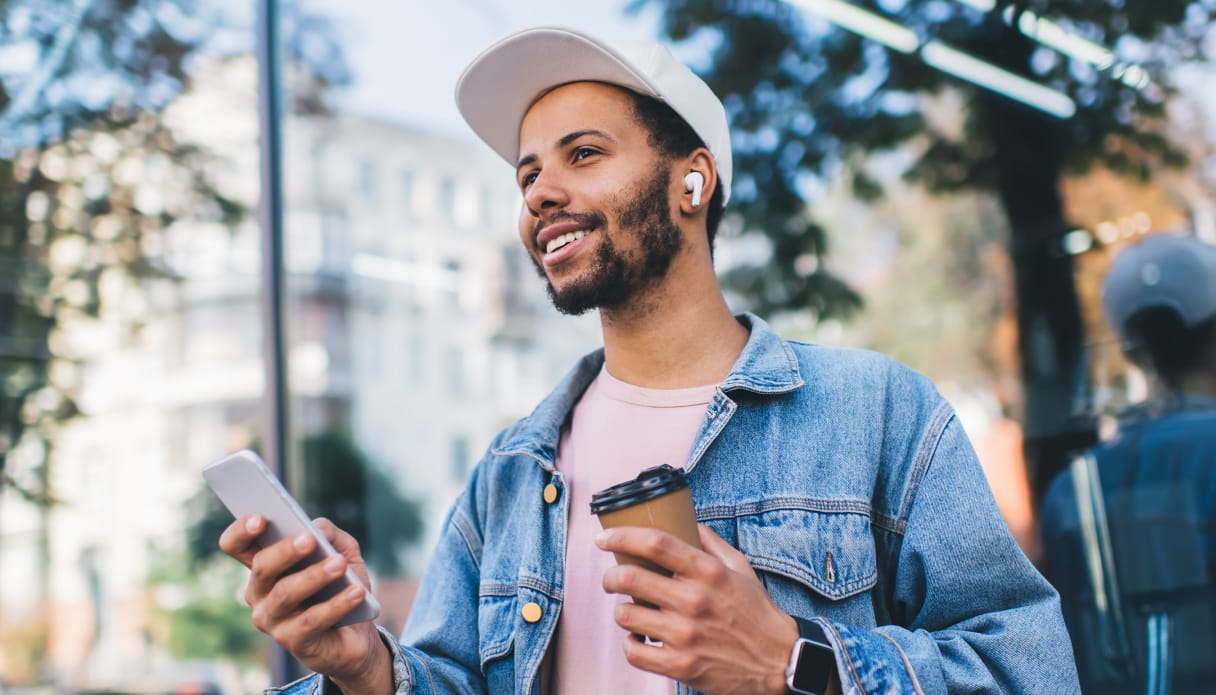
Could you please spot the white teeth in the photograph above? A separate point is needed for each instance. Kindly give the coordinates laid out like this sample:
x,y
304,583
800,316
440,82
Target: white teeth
x,y
555,244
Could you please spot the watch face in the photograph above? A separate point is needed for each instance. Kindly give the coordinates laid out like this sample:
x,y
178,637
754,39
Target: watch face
x,y
814,669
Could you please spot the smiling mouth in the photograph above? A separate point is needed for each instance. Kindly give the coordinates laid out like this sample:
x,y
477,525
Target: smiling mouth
x,y
569,237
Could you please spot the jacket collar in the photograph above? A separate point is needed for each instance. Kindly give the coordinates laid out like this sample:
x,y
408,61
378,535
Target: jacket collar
x,y
766,366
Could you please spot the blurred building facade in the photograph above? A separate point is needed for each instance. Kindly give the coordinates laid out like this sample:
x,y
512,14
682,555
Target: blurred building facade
x,y
415,323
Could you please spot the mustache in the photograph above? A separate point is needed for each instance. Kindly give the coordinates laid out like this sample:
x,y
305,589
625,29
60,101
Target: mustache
x,y
586,219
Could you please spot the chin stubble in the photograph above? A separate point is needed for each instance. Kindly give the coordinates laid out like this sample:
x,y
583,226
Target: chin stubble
x,y
615,277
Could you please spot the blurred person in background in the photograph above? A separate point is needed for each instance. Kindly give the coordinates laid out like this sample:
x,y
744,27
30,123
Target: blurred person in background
x,y
1129,531
849,540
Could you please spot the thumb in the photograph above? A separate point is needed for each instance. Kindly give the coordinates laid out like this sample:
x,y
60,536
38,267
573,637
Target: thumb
x,y
725,552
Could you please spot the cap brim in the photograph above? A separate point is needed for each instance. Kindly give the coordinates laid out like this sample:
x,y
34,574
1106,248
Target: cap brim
x,y
500,85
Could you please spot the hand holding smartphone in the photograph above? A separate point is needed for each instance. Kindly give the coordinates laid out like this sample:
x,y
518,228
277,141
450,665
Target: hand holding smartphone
x,y
246,485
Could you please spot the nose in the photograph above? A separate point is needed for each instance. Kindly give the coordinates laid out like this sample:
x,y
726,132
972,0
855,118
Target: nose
x,y
546,194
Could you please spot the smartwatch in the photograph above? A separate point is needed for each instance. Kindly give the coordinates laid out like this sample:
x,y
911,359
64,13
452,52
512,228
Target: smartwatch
x,y
812,661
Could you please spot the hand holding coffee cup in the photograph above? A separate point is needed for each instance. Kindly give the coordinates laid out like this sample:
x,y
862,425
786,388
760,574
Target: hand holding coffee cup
x,y
658,498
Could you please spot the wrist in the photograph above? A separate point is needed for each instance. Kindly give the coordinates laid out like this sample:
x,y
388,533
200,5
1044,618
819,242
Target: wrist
x,y
812,661
787,638
374,676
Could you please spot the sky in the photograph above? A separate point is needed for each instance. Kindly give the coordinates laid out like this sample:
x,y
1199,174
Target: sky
x,y
406,55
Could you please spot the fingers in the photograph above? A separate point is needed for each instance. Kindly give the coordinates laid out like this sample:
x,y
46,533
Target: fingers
x,y
678,665
719,629
240,538
643,584
328,529
292,591
304,626
725,552
285,611
665,627
345,544
270,565
342,541
659,547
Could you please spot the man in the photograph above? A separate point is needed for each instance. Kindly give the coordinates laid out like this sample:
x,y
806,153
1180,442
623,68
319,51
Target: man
x,y
850,543
1130,530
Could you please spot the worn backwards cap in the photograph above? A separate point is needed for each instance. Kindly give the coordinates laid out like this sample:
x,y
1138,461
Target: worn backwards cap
x,y
1176,271
501,84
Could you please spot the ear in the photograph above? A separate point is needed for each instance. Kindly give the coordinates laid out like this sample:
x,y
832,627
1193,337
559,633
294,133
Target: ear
x,y
701,162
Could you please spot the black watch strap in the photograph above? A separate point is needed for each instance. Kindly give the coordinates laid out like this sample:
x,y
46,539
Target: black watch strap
x,y
812,660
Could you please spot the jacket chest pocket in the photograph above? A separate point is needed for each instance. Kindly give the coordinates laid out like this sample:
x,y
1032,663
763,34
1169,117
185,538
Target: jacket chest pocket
x,y
813,563
496,613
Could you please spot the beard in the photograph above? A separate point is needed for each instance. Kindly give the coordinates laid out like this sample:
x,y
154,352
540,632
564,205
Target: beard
x,y
616,277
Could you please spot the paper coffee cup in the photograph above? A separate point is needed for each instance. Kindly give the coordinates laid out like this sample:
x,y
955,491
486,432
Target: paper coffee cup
x,y
658,498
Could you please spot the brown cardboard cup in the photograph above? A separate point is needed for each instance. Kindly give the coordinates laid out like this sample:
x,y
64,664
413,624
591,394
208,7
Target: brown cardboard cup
x,y
658,498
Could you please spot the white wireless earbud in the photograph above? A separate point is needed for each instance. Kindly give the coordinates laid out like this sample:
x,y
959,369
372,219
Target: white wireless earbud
x,y
693,183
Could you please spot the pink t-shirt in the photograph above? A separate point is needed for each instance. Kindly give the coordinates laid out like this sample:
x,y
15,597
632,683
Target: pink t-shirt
x,y
616,431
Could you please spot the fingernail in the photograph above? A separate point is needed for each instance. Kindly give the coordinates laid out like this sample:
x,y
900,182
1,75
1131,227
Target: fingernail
x,y
333,565
354,592
601,538
301,542
252,524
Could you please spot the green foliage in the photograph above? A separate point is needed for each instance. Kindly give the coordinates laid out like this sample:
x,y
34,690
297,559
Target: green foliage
x,y
215,627
198,615
337,481
938,321
90,179
806,98
80,139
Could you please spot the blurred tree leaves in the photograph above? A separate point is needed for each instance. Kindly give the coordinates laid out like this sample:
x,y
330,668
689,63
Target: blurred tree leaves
x,y
336,481
340,483
91,176
197,612
810,102
805,98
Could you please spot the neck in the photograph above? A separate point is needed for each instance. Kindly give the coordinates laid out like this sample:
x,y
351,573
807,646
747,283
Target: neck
x,y
1203,384
1199,382
678,335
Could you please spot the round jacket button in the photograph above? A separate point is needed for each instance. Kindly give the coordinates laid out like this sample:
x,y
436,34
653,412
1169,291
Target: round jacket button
x,y
550,493
531,612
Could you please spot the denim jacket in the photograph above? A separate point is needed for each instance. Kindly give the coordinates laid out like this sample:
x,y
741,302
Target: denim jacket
x,y
844,478
1145,621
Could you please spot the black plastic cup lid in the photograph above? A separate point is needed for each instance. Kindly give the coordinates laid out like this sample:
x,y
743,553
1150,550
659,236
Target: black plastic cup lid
x,y
650,483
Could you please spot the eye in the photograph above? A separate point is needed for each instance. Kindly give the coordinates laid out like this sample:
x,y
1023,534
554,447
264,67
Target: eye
x,y
583,153
528,178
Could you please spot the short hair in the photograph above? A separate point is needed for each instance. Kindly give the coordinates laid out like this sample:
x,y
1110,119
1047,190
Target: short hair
x,y
1162,342
673,137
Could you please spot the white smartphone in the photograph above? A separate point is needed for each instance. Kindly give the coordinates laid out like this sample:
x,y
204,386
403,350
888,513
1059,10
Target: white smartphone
x,y
246,485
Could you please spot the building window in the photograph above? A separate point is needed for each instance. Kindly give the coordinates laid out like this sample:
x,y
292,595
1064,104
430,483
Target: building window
x,y
451,271
460,463
416,350
367,179
407,192
447,196
487,205
457,383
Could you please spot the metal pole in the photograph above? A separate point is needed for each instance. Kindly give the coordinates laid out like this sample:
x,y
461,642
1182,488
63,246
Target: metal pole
x,y
270,215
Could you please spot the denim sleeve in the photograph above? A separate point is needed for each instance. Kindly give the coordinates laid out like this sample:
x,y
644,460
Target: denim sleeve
x,y
315,684
971,612
440,641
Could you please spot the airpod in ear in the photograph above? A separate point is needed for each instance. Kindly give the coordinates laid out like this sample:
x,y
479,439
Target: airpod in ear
x,y
693,184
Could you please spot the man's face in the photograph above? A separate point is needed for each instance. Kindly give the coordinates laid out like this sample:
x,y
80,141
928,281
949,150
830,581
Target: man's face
x,y
596,218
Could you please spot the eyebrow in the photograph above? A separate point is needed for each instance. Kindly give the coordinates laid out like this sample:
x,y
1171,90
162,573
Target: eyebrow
x,y
564,141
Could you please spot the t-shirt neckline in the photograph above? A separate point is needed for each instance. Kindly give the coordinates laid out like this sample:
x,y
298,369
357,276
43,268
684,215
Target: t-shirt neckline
x,y
618,390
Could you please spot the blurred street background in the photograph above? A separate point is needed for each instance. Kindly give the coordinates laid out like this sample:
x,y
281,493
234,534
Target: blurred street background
x,y
945,181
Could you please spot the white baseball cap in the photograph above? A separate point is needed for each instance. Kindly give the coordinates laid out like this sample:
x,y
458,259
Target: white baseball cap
x,y
500,85
1176,271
